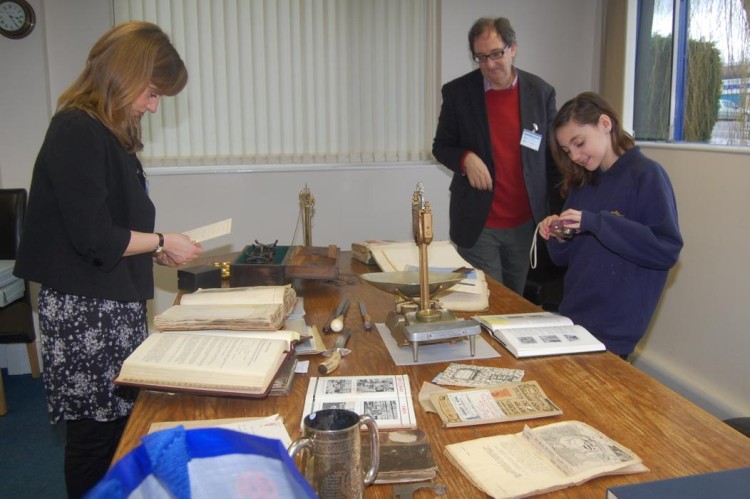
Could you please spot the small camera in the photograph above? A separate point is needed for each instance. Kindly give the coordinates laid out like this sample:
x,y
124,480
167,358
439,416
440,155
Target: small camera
x,y
559,230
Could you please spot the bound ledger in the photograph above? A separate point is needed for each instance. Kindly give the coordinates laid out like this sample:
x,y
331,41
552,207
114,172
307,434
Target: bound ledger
x,y
541,459
205,364
539,333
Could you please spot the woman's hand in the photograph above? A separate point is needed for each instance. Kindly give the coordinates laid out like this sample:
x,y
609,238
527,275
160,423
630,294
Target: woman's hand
x,y
179,249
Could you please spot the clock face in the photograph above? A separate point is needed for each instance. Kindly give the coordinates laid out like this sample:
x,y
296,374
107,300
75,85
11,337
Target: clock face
x,y
16,18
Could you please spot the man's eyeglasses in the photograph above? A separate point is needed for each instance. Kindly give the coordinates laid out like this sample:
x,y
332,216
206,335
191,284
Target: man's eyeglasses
x,y
496,55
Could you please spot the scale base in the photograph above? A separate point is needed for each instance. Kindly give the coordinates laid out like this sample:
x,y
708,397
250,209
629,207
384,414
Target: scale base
x,y
407,329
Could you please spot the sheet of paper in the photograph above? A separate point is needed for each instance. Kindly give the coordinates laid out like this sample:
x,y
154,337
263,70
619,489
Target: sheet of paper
x,y
210,231
302,366
435,352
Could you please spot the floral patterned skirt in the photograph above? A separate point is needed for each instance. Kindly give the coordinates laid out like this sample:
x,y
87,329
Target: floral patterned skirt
x,y
84,342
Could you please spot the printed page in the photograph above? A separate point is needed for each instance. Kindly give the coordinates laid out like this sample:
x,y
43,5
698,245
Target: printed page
x,y
582,452
185,360
505,466
550,340
387,399
512,321
253,295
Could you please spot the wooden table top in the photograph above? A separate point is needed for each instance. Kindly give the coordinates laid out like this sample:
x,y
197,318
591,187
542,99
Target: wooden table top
x,y
672,436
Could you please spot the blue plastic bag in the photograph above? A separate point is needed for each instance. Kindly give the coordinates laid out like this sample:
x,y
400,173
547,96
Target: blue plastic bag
x,y
204,463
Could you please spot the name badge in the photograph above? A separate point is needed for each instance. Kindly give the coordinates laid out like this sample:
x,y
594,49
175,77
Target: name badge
x,y
530,139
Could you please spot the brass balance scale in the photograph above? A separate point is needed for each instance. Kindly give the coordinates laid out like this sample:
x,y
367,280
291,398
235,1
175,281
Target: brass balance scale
x,y
418,318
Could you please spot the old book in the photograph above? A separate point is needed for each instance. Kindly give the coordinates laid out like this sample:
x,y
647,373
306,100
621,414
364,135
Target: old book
x,y
492,404
541,459
405,456
361,250
385,398
205,364
254,307
539,333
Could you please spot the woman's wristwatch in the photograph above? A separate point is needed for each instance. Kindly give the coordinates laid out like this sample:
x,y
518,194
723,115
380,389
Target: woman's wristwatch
x,y
160,247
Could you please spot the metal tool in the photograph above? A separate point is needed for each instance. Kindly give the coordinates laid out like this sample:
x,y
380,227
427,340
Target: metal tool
x,y
337,323
407,490
335,353
366,321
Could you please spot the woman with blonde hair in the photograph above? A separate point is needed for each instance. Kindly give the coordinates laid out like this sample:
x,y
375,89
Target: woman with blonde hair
x,y
89,240
618,233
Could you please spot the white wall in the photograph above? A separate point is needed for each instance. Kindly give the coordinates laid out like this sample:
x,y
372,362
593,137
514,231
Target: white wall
x,y
697,342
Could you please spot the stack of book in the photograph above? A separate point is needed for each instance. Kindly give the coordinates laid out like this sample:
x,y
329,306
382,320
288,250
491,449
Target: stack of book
x,y
222,341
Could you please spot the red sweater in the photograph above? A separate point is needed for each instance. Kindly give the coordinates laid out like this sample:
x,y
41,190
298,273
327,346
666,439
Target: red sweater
x,y
510,204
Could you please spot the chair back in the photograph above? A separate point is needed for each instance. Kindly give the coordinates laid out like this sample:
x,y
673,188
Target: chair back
x,y
12,211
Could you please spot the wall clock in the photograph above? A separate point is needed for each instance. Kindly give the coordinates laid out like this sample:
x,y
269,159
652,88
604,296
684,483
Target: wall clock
x,y
17,18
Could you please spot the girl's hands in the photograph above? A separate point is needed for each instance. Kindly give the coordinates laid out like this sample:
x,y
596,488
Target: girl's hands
x,y
570,218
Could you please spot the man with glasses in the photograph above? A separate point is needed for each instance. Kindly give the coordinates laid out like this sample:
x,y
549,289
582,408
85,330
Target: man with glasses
x,y
492,132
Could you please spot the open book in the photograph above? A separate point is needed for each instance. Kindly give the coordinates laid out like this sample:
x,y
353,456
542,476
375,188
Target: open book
x,y
385,398
492,404
539,333
206,364
541,459
471,294
248,308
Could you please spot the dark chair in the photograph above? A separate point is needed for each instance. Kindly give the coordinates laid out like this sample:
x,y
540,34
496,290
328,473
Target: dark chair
x,y
16,319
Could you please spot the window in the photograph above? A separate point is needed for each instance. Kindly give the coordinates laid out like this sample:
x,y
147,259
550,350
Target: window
x,y
303,82
692,57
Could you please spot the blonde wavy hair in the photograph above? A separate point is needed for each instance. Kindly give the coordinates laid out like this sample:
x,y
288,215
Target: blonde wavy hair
x,y
124,62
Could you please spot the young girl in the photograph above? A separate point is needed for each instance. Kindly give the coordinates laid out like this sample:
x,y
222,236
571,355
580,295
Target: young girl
x,y
623,213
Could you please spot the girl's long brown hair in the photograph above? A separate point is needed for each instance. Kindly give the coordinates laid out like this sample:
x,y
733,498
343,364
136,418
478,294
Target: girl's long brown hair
x,y
585,109
121,65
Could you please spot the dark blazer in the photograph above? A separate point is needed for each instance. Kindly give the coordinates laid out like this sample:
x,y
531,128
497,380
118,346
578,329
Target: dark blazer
x,y
86,195
463,126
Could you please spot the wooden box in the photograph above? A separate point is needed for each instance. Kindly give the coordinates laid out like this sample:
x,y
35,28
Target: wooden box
x,y
289,262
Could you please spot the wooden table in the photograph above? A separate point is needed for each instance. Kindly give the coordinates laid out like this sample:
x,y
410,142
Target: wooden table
x,y
673,436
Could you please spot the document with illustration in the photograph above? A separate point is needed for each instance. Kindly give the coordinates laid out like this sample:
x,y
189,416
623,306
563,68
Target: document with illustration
x,y
541,459
385,398
539,333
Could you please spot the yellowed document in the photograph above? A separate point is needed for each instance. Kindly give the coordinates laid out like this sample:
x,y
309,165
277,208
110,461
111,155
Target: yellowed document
x,y
210,231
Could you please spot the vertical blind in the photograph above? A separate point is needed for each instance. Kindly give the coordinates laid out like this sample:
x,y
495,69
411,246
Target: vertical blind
x,y
295,81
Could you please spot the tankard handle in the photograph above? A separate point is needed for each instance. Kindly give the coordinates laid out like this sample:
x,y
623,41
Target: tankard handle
x,y
372,427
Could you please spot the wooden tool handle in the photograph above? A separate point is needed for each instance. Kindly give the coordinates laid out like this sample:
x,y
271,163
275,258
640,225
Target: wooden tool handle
x,y
337,324
331,364
367,322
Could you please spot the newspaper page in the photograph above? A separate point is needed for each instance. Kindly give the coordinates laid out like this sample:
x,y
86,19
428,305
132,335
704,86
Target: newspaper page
x,y
494,404
387,398
505,466
475,376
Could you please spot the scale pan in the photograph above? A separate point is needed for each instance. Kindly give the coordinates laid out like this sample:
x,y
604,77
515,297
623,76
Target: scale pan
x,y
407,283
